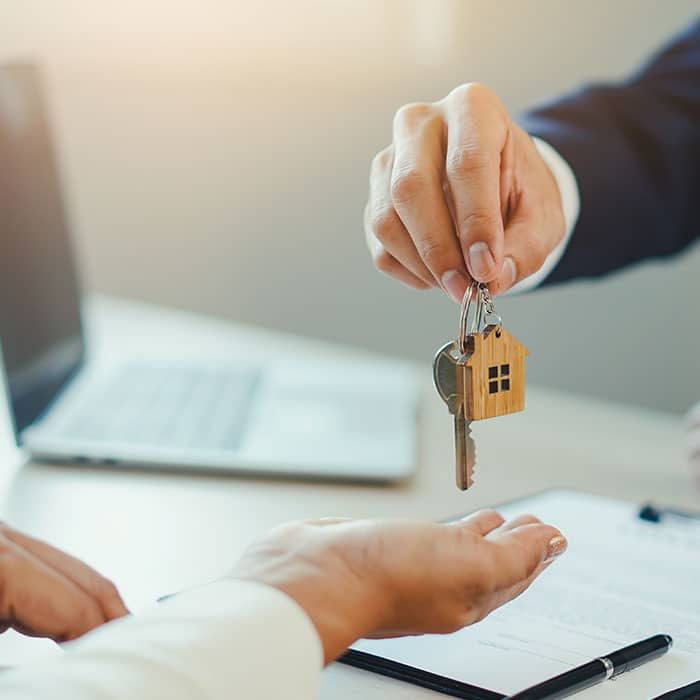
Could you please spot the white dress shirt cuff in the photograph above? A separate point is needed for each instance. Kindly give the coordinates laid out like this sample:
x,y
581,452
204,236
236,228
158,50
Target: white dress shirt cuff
x,y
227,639
570,200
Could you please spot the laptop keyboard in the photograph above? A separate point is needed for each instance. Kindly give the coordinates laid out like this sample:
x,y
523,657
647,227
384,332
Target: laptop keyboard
x,y
166,407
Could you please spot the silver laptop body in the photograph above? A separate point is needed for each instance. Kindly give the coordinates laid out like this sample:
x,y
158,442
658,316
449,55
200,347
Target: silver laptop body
x,y
314,417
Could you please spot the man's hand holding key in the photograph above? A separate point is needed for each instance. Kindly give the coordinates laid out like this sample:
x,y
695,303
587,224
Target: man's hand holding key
x,y
463,200
461,193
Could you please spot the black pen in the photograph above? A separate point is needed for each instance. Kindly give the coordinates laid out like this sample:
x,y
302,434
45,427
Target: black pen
x,y
598,670
687,692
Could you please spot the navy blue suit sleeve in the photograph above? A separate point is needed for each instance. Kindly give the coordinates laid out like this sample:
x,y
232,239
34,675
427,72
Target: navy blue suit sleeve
x,y
635,151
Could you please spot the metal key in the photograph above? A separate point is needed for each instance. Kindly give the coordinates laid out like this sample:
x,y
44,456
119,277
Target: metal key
x,y
448,378
479,375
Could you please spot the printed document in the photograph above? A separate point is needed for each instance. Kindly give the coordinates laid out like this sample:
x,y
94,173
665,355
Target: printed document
x,y
621,580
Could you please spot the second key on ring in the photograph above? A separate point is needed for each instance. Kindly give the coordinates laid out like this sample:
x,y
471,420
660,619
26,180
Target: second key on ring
x,y
449,382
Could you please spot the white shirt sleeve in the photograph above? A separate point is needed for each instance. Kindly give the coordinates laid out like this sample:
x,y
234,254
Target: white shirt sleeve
x,y
232,639
570,199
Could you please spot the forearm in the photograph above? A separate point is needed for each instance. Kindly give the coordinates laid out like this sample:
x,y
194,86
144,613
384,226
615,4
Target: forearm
x,y
633,149
230,639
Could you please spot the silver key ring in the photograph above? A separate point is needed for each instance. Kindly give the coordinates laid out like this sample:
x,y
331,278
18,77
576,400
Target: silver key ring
x,y
484,311
490,308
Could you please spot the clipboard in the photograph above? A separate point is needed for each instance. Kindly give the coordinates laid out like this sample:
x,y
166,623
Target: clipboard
x,y
415,676
406,670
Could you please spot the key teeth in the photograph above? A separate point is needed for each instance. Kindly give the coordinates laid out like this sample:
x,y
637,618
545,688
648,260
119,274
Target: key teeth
x,y
465,452
471,450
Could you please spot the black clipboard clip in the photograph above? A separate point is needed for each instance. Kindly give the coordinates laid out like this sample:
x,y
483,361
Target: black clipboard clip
x,y
654,514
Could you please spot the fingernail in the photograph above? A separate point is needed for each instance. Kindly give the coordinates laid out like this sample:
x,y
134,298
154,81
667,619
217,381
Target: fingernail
x,y
455,284
556,547
508,274
481,262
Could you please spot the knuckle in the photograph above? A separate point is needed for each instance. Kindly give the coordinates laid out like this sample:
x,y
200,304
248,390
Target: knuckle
x,y
106,590
478,224
464,159
383,224
434,255
471,94
381,160
406,185
412,113
384,262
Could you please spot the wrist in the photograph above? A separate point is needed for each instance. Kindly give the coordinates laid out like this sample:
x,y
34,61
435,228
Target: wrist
x,y
342,601
340,617
564,183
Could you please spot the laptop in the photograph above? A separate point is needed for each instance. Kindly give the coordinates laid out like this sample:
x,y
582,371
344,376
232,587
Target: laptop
x,y
308,418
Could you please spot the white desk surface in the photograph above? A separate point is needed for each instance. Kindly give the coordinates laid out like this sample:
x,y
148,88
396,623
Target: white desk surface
x,y
154,533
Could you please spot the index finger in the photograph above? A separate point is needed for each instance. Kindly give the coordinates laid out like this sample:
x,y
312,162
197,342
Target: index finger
x,y
94,584
40,601
418,197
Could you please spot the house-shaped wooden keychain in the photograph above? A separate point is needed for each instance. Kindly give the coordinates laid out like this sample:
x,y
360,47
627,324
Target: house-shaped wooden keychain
x,y
479,375
493,371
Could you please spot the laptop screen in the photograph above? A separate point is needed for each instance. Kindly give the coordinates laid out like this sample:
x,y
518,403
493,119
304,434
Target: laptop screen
x,y
40,327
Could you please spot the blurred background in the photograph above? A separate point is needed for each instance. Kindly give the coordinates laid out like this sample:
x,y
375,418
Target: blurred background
x,y
215,158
